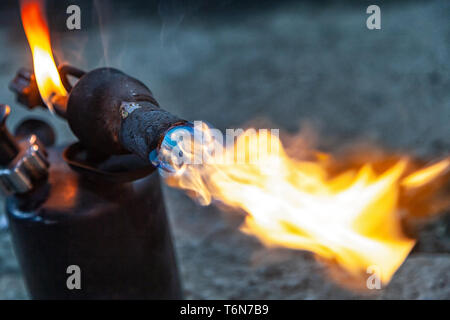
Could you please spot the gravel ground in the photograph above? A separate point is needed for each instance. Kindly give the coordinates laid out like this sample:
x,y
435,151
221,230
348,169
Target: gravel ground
x,y
294,63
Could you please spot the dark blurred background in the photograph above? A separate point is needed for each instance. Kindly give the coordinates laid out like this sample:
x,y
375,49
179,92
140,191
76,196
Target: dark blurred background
x,y
286,63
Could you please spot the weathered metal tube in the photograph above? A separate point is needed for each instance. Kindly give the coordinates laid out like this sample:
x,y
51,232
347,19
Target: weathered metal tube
x,y
113,113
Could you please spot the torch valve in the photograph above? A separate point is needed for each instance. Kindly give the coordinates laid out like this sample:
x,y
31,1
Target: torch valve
x,y
26,89
22,164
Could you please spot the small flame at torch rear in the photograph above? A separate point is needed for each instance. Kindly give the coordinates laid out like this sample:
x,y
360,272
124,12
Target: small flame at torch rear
x,y
351,218
45,70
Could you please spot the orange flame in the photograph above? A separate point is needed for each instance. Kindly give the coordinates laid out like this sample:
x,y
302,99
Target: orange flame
x,y
45,70
351,218
423,177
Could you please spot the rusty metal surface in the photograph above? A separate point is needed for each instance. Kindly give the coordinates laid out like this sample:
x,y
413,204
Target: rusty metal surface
x,y
113,113
93,108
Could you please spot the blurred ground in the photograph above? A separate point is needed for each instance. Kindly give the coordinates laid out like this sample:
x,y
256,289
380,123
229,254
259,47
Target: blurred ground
x,y
296,62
